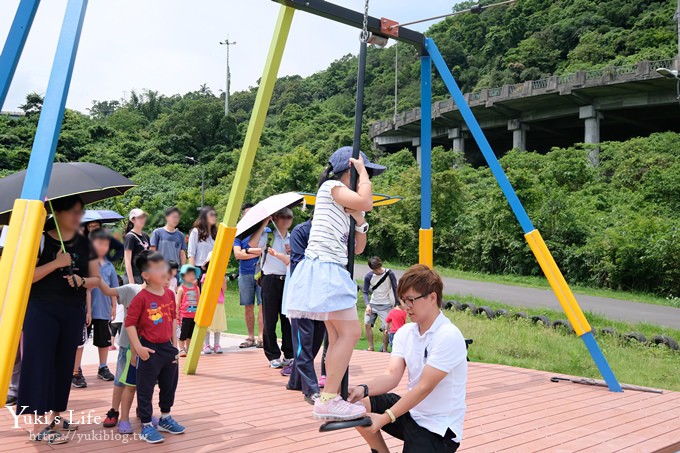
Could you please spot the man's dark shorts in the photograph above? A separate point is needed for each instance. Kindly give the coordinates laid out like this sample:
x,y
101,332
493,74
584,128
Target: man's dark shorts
x,y
416,438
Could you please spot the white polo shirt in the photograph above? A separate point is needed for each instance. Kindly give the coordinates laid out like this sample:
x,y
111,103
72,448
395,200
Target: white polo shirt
x,y
441,347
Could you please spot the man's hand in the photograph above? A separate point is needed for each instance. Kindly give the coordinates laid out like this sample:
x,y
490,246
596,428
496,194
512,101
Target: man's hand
x,y
368,309
145,352
356,394
379,420
88,319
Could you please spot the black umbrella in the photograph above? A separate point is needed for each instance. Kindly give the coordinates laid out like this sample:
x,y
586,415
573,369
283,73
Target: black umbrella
x,y
92,182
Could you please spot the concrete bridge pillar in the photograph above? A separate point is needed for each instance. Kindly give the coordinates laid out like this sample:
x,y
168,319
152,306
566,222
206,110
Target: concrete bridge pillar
x,y
458,136
519,134
419,149
591,117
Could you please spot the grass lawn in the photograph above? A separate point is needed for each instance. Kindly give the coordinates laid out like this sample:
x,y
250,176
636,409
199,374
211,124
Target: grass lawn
x,y
542,283
523,344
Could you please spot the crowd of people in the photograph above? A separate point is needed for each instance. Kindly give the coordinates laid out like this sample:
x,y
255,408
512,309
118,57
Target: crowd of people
x,y
297,280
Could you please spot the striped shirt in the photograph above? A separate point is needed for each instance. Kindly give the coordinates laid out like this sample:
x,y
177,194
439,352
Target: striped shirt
x,y
330,227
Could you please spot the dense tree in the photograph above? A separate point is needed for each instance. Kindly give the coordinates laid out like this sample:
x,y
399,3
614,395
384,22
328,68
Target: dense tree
x,y
614,226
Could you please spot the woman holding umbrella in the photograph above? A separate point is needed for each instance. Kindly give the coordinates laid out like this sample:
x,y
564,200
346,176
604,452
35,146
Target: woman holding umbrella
x,y
55,316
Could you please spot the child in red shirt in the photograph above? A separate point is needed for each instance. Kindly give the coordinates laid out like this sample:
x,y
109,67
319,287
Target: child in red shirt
x,y
396,319
150,324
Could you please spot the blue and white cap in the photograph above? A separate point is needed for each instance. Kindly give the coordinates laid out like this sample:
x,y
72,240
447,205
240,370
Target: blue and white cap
x,y
340,162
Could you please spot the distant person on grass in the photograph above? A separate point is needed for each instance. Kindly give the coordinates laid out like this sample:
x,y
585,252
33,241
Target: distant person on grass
x,y
150,324
380,296
103,306
429,417
248,252
396,319
168,240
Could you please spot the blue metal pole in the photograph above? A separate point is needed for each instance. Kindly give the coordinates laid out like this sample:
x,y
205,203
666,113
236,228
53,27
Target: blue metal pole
x,y
11,52
425,142
513,200
52,115
601,362
479,136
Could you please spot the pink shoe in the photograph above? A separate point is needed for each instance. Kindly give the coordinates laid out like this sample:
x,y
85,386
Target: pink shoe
x,y
322,381
217,349
338,409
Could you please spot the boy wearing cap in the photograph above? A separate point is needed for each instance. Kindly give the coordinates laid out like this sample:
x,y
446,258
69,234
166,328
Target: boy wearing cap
x,y
188,295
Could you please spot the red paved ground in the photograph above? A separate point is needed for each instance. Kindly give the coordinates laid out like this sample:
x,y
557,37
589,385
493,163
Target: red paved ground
x,y
236,404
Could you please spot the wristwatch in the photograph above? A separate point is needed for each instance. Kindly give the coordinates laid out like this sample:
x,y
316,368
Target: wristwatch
x,y
362,228
247,250
365,389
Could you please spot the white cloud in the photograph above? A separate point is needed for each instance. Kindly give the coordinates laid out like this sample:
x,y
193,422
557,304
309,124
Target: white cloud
x,y
172,45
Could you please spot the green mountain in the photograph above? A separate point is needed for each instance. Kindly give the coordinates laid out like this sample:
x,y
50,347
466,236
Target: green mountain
x,y
614,226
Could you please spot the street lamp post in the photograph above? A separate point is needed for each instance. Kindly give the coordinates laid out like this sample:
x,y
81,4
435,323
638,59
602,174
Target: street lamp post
x,y
227,43
198,162
673,75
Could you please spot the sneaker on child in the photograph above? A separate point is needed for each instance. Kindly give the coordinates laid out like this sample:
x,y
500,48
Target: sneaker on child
x,y
105,374
338,409
276,363
218,349
78,380
151,434
311,399
207,350
169,425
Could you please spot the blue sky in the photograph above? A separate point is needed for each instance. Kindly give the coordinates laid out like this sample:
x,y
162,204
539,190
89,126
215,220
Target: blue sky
x,y
172,45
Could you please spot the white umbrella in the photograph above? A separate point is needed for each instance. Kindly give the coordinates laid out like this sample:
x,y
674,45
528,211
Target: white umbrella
x,y
265,209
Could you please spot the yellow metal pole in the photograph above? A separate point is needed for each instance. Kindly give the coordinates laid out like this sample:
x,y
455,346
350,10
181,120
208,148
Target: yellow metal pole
x,y
227,229
16,275
426,247
558,283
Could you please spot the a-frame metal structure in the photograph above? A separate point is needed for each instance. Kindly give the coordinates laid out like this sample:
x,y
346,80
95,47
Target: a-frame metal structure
x,y
18,262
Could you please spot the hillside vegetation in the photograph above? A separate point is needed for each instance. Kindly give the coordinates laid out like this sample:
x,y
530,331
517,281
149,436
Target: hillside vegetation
x,y
613,226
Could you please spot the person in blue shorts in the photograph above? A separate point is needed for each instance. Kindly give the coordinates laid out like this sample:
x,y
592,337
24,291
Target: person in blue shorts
x,y
248,252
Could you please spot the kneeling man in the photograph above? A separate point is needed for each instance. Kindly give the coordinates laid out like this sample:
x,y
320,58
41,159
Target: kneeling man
x,y
429,417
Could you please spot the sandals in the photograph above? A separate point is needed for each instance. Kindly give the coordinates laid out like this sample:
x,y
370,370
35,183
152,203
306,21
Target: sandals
x,y
249,343
50,436
259,344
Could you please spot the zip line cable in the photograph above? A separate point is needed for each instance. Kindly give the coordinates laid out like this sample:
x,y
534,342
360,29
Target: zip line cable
x,y
475,9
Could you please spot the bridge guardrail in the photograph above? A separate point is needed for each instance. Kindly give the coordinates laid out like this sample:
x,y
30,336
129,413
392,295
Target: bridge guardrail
x,y
611,73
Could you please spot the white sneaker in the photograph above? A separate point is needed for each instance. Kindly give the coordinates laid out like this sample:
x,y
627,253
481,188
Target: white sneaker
x,y
338,409
286,362
276,363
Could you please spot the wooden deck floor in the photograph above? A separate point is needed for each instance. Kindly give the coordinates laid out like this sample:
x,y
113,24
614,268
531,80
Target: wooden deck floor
x,y
236,404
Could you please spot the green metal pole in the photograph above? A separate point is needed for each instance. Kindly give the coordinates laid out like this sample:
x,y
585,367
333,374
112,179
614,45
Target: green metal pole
x,y
227,230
